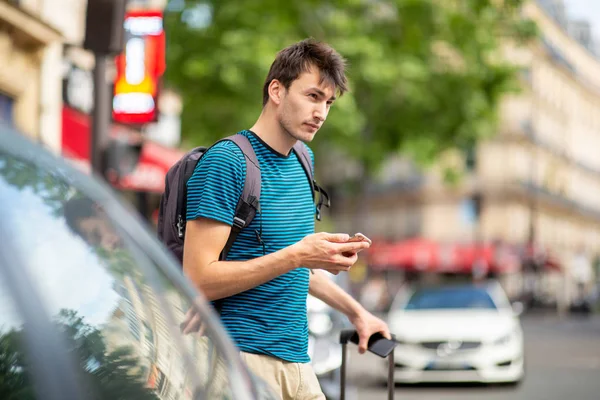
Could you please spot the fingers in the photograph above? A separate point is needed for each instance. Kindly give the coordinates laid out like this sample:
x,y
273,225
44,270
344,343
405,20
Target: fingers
x,y
339,263
345,261
191,322
362,343
336,237
193,326
353,247
386,333
186,321
189,315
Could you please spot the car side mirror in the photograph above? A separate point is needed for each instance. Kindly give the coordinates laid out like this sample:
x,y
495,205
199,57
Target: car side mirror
x,y
518,308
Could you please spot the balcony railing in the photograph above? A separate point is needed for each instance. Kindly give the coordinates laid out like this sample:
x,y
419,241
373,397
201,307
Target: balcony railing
x,y
561,201
538,140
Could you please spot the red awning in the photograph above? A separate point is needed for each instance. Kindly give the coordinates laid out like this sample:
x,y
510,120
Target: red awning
x,y
154,162
427,255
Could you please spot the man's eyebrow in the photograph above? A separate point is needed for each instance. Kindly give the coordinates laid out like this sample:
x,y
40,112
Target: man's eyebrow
x,y
321,93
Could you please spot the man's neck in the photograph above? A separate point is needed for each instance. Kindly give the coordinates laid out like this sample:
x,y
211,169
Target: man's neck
x,y
271,132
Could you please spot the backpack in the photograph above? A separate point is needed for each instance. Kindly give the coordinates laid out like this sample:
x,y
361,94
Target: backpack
x,y
173,207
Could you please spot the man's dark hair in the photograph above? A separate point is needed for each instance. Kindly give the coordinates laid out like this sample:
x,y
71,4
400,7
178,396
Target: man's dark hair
x,y
75,210
300,57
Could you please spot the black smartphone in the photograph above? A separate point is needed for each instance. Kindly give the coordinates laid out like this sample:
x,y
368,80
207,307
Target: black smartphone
x,y
378,344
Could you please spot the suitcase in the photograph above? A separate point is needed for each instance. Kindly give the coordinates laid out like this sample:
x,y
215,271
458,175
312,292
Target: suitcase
x,y
377,345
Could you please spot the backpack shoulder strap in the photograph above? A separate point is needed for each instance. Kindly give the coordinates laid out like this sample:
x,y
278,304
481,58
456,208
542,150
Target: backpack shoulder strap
x,y
302,154
249,202
182,172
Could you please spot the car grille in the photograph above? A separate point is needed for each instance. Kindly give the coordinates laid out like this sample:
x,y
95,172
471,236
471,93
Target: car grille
x,y
461,345
449,368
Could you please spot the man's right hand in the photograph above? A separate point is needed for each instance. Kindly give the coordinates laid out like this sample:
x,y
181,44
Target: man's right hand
x,y
328,251
192,323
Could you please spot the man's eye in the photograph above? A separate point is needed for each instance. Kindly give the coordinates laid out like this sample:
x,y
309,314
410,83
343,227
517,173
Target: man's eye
x,y
314,96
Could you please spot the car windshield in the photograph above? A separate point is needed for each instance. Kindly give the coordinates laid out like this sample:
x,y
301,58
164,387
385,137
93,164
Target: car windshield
x,y
450,298
106,288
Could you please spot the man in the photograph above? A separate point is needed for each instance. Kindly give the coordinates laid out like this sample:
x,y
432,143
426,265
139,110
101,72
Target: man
x,y
86,219
262,287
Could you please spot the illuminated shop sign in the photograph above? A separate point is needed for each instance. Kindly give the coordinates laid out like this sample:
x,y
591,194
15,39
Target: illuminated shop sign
x,y
139,68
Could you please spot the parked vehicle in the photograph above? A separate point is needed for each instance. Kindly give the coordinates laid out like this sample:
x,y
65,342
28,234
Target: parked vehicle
x,y
91,304
460,333
324,327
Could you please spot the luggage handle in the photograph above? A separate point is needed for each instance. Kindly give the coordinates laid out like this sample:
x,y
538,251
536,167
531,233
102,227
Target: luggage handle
x,y
377,345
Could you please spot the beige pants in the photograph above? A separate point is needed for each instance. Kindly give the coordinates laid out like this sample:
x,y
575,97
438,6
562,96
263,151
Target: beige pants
x,y
291,381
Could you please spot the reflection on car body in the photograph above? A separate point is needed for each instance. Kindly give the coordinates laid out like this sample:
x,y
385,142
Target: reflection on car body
x,y
113,296
460,333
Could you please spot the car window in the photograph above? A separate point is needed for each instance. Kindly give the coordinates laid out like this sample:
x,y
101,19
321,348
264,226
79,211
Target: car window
x,y
121,314
450,298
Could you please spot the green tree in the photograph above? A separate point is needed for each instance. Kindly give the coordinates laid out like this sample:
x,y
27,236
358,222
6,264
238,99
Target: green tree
x,y
53,187
14,380
425,75
108,374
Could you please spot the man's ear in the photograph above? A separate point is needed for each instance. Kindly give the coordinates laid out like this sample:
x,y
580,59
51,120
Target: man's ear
x,y
276,91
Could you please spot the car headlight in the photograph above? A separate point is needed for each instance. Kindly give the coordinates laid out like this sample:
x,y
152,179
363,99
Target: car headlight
x,y
505,339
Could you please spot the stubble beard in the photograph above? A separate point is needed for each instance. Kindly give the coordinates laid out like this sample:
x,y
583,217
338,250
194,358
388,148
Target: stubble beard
x,y
286,127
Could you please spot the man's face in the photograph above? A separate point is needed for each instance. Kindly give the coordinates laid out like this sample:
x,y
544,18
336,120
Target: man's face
x,y
98,232
305,105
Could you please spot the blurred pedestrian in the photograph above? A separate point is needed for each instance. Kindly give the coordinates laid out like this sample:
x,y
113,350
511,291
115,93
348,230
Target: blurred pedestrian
x,y
262,287
583,274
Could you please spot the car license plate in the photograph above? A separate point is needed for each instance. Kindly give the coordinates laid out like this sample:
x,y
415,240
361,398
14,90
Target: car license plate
x,y
447,365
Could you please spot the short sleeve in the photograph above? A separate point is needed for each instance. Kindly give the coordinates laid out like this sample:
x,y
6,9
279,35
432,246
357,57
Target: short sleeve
x,y
216,185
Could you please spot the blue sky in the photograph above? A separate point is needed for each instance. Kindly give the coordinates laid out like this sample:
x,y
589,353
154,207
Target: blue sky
x,y
586,9
57,263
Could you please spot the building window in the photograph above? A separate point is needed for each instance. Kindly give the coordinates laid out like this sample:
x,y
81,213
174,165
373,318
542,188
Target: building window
x,y
6,109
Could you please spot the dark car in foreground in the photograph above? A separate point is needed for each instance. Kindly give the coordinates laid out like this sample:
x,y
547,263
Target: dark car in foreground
x,y
96,312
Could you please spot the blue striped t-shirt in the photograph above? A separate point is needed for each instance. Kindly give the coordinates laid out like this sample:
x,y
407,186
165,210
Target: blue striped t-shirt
x,y
270,318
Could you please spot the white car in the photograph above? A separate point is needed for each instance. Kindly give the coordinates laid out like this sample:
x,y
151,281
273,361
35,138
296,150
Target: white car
x,y
461,333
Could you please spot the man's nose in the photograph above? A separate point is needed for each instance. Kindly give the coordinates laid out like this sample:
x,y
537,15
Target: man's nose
x,y
320,112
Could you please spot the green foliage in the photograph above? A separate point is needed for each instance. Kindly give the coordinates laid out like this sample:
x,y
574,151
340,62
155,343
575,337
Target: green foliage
x,y
14,381
52,186
425,75
108,374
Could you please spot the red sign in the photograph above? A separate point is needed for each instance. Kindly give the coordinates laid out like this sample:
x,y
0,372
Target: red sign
x,y
139,68
151,169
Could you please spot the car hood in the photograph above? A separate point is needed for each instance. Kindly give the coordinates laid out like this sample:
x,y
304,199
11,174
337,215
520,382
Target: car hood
x,y
433,325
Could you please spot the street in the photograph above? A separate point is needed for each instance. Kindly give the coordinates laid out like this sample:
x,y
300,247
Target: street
x,y
562,362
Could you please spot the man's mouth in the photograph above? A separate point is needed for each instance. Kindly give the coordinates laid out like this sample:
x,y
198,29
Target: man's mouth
x,y
312,125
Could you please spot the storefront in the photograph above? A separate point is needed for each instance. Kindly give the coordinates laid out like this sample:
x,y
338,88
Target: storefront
x,y
424,260
145,183
144,114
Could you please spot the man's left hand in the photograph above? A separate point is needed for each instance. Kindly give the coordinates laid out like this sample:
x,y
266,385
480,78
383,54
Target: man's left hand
x,y
366,325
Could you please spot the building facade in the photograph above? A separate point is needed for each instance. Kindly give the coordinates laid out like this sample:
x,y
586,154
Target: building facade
x,y
30,59
539,178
